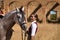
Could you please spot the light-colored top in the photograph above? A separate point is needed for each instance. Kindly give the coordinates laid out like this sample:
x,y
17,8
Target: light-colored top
x,y
34,27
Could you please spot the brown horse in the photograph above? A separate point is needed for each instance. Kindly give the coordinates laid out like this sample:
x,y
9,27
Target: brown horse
x,y
7,22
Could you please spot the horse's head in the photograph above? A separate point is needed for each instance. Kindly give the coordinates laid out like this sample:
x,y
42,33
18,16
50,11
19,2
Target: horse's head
x,y
21,17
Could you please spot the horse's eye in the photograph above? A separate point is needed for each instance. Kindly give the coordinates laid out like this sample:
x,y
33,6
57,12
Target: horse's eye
x,y
19,15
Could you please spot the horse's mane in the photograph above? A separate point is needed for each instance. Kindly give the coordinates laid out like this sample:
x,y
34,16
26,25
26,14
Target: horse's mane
x,y
9,14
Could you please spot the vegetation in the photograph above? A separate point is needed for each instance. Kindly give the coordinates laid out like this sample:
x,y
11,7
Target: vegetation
x,y
53,16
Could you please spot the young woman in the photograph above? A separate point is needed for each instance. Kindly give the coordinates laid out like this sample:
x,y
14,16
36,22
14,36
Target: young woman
x,y
33,28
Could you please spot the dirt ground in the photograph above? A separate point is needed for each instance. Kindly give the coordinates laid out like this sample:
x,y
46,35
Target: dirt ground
x,y
45,32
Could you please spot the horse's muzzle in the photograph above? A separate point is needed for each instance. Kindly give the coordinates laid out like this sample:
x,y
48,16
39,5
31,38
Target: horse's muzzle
x,y
23,26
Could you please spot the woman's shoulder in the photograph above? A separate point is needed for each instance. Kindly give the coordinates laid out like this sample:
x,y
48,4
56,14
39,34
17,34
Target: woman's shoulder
x,y
34,24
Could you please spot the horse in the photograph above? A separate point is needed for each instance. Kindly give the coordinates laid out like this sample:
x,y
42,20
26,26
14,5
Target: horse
x,y
10,18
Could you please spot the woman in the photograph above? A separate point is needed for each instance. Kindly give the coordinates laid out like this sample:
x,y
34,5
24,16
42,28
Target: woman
x,y
33,28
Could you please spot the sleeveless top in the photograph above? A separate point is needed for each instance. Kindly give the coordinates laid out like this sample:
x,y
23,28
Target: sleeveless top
x,y
33,28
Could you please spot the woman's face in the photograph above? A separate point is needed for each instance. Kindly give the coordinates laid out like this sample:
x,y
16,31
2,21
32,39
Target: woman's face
x,y
33,17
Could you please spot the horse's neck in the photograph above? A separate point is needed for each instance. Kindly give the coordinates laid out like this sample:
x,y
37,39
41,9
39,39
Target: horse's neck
x,y
8,20
9,14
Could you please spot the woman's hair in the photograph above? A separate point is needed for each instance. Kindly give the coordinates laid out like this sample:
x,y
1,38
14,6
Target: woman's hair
x,y
36,16
0,8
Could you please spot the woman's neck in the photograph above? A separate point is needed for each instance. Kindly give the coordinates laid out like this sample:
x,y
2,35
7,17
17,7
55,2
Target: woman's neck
x,y
33,20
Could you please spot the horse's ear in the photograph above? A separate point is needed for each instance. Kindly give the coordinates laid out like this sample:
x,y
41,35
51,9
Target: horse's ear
x,y
22,8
